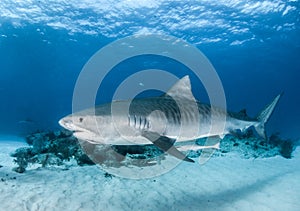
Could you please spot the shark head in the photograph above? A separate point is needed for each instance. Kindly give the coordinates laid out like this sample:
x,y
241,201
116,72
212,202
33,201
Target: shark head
x,y
72,123
81,126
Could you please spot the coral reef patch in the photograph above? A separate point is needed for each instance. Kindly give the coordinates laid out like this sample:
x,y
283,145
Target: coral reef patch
x,y
54,148
248,145
49,148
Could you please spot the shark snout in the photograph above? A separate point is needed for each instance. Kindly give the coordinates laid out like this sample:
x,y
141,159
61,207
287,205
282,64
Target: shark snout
x,y
66,123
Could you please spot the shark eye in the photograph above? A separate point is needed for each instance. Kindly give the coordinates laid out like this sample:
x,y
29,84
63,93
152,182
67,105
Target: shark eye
x,y
80,119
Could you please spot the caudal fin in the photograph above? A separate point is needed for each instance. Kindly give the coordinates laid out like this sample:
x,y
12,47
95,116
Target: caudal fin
x,y
264,116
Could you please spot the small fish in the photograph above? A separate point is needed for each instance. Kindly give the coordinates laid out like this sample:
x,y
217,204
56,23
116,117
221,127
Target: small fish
x,y
26,121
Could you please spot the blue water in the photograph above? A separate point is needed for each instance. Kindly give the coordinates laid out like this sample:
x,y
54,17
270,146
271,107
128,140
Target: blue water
x,y
253,45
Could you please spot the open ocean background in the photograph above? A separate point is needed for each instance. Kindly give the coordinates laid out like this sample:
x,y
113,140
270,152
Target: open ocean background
x,y
253,45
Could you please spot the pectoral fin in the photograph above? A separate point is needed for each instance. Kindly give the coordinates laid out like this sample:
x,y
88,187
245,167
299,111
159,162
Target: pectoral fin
x,y
166,144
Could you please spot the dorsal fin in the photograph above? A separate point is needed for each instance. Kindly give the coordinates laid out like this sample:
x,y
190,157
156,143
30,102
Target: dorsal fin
x,y
182,89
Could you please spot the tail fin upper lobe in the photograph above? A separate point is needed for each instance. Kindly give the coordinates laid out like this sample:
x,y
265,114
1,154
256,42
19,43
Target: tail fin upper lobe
x,y
264,116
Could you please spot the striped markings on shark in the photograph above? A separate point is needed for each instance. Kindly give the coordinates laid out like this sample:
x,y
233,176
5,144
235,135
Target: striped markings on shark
x,y
160,121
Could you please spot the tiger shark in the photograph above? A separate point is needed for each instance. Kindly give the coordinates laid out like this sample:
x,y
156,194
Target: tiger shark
x,y
172,122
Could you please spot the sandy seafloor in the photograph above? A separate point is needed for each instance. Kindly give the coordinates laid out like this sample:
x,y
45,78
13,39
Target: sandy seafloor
x,y
223,183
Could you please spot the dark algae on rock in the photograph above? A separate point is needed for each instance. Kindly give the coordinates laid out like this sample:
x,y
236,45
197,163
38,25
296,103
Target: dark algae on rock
x,y
49,148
